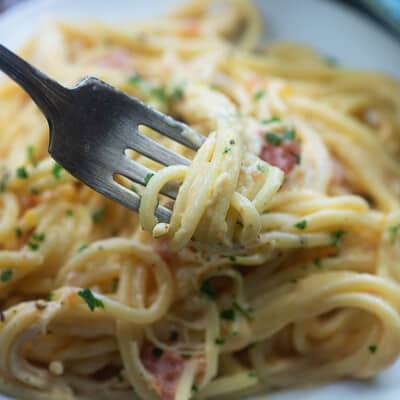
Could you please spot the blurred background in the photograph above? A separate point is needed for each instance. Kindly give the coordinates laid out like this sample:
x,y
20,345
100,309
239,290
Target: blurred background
x,y
386,13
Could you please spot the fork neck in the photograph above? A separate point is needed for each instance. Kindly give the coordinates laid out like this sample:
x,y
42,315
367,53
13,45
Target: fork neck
x,y
44,91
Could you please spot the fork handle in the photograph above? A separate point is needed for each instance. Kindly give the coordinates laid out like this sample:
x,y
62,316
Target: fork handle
x,y
46,93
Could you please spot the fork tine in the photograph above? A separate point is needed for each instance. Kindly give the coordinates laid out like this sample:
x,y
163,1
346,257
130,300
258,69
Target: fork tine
x,y
110,188
137,172
167,126
155,151
132,201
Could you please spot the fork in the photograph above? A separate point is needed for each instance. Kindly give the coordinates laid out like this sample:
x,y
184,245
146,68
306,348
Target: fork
x,y
93,124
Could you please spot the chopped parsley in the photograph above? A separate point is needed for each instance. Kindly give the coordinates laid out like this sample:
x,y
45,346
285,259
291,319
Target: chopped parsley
x,y
3,184
38,237
301,224
262,167
133,188
337,238
83,247
243,311
135,79
317,263
273,139
33,246
30,155
147,178
393,231
259,94
35,240
6,275
92,301
227,149
98,214
219,341
56,171
252,374
208,290
157,352
69,213
177,92
228,314
270,120
18,232
50,296
232,258
35,191
290,135
195,389
373,348
114,285
22,173
158,93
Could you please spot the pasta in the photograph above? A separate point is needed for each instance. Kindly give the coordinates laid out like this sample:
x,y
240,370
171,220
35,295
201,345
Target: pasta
x,y
279,266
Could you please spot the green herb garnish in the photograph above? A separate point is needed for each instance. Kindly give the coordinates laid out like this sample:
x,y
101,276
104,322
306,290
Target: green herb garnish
x,y
18,232
301,224
147,178
50,296
227,149
289,135
133,188
208,290
6,275
56,171
158,93
98,214
69,213
177,92
262,167
83,247
393,231
243,311
373,348
35,240
317,263
135,79
273,139
228,314
232,258
259,94
33,246
38,237
30,155
92,301
337,238
22,173
270,121
252,374
219,341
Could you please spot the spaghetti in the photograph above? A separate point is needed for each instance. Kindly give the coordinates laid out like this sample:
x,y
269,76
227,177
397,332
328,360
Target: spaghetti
x,y
287,222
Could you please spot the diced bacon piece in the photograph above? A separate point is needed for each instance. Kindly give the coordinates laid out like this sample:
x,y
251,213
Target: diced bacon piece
x,y
117,58
27,201
285,156
165,367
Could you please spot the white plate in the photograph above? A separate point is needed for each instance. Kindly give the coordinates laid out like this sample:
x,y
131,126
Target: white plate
x,y
329,28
